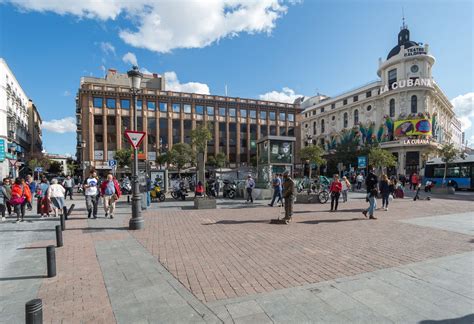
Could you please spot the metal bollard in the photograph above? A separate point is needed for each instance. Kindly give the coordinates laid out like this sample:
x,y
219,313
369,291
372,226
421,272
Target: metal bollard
x,y
63,222
34,312
51,260
65,212
70,210
59,236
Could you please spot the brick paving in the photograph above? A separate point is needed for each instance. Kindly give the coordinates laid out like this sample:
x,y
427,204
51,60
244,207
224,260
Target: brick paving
x,y
219,254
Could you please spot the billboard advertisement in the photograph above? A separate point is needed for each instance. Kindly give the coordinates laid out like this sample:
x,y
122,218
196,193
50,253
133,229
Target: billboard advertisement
x,y
410,127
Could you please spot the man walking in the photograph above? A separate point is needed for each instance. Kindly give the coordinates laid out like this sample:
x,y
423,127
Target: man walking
x,y
92,194
289,195
110,190
371,183
359,179
249,185
276,183
68,184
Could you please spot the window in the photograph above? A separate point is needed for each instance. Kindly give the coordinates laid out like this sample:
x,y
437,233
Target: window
x,y
139,105
322,126
282,116
314,128
344,102
356,117
151,105
243,113
355,98
369,108
110,103
392,108
99,138
332,107
187,109
322,109
346,120
176,107
97,120
222,111
210,111
125,104
392,77
263,115
272,115
333,118
368,94
414,104
253,114
110,120
314,112
199,110
163,107
291,117
98,102
232,112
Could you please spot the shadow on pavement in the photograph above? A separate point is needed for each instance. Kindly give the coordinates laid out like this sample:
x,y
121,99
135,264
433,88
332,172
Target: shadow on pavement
x,y
32,247
233,222
465,319
24,278
330,221
35,230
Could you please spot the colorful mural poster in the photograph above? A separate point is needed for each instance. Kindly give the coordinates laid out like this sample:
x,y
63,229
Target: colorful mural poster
x,y
412,127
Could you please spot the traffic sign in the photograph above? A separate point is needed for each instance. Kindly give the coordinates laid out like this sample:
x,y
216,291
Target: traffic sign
x,y
38,169
362,162
112,163
135,138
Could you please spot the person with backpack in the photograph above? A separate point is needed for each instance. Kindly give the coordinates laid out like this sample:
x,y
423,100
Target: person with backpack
x,y
20,196
249,185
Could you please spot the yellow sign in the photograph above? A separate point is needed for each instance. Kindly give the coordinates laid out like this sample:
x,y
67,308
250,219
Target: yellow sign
x,y
410,127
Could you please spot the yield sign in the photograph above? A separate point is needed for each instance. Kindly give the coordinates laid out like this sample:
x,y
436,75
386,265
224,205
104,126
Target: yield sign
x,y
135,138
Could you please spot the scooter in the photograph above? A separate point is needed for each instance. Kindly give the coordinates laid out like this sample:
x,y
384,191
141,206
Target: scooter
x,y
229,190
180,192
211,188
126,188
156,193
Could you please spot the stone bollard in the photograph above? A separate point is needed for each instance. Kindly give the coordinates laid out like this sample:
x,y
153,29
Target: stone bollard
x,y
59,236
51,260
34,312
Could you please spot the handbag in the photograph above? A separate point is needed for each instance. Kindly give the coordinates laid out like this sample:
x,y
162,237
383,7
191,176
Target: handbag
x,y
14,201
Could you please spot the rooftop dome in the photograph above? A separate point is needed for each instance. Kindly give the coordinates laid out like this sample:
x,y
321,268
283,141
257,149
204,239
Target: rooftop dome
x,y
403,39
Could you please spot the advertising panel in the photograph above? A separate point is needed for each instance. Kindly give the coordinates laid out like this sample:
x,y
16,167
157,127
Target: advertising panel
x,y
2,150
412,127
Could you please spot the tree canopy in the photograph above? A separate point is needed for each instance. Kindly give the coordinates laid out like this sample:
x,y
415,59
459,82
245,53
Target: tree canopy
x,y
313,154
180,155
380,158
124,158
200,136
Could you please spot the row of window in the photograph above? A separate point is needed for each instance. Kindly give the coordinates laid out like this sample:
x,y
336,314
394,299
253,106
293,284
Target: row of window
x,y
176,107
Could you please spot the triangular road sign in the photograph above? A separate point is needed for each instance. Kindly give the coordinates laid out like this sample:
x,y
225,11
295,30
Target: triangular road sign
x,y
135,138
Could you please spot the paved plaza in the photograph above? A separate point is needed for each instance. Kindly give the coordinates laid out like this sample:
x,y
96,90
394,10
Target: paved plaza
x,y
411,265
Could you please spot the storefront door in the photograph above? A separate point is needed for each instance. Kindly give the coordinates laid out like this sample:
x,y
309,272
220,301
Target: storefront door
x,y
412,163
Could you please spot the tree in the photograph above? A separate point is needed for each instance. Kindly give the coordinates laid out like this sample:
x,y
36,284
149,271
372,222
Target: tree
x,y
55,167
180,155
124,158
199,138
448,153
221,160
381,158
312,154
162,159
71,166
211,161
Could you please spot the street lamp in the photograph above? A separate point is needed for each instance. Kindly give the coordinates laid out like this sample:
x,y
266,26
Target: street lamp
x,y
136,222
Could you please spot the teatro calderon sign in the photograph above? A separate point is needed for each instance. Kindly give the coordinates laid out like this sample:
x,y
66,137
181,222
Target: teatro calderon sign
x,y
408,84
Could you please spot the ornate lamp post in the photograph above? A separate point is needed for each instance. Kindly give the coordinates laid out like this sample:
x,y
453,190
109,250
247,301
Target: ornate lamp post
x,y
136,222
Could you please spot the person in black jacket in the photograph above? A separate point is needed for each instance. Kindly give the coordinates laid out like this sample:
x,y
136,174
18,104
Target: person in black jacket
x,y
384,188
371,181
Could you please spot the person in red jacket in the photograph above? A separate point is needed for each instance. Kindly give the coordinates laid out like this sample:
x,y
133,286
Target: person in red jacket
x,y
335,189
110,190
199,191
20,196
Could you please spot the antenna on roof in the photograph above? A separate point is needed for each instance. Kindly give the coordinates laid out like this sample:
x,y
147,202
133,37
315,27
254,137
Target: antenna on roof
x,y
403,19
225,88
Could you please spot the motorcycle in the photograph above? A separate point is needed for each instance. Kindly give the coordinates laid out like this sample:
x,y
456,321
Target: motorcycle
x,y
211,188
156,193
126,188
229,190
179,192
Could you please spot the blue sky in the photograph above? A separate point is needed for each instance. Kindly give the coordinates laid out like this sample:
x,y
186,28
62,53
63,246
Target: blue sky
x,y
258,48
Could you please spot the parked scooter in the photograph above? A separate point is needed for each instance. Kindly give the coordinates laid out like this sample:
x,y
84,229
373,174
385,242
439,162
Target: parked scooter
x,y
126,187
179,192
156,193
211,188
229,190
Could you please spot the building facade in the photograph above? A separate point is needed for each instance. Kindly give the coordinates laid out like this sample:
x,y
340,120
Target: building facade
x,y
405,111
104,110
62,160
34,130
14,123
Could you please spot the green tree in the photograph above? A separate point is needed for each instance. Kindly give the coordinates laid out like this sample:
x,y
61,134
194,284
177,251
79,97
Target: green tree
x,y
162,159
180,155
71,166
448,153
381,158
124,158
211,161
55,167
312,154
221,160
199,138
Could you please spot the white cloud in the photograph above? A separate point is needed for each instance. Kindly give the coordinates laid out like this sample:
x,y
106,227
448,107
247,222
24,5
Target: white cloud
x,y
464,109
173,84
107,48
66,93
130,58
286,95
163,25
61,126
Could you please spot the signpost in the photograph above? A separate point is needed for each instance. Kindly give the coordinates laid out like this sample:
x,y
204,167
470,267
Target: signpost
x,y
361,162
135,138
113,165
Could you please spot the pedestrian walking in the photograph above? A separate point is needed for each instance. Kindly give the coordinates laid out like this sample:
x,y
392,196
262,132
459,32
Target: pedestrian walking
x,y
43,205
110,191
276,184
249,185
384,187
56,196
32,184
414,180
288,195
3,200
68,185
359,179
346,186
371,183
91,192
8,193
20,196
335,190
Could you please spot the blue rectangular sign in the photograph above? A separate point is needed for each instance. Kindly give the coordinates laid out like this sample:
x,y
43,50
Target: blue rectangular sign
x,y
2,150
362,162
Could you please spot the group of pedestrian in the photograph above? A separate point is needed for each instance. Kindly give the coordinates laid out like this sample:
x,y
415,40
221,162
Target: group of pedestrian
x,y
109,190
14,197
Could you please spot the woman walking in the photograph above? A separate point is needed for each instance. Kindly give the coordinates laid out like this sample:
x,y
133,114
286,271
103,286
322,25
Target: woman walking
x,y
20,196
335,189
384,187
346,186
42,195
56,196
